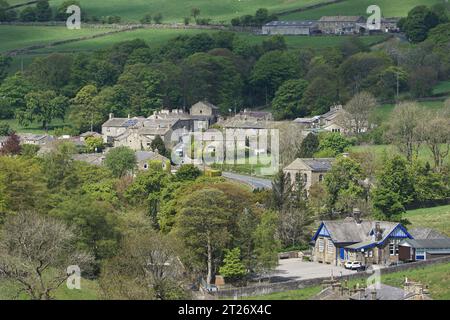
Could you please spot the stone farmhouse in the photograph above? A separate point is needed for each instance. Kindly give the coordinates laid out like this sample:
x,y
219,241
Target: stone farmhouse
x,y
341,24
334,120
338,25
352,239
311,170
139,132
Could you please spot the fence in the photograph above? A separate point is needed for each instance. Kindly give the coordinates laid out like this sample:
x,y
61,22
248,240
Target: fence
x,y
268,288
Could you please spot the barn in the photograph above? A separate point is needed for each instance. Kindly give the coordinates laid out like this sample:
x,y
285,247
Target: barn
x,y
305,28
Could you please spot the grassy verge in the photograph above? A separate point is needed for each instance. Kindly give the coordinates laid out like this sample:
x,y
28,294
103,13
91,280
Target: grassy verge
x,y
436,277
89,291
34,127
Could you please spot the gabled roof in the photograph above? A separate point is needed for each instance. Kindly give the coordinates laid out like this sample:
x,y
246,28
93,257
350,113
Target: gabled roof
x,y
349,231
207,104
149,155
426,233
314,164
304,23
341,19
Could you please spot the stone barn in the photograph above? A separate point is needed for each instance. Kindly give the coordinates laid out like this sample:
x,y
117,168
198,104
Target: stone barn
x,y
304,28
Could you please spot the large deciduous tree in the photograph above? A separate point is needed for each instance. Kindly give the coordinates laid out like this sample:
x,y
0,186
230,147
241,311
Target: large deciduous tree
x,y
357,112
288,100
121,161
405,128
202,225
35,252
146,268
44,107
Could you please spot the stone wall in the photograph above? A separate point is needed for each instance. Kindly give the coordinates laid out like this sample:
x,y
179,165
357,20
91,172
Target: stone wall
x,y
268,288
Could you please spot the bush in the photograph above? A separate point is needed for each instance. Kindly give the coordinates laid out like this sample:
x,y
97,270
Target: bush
x,y
233,268
213,173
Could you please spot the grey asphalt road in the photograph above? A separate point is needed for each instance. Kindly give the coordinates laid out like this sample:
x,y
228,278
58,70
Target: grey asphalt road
x,y
255,183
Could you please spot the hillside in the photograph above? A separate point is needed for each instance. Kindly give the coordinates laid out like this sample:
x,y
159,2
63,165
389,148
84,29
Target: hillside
x,y
389,8
176,10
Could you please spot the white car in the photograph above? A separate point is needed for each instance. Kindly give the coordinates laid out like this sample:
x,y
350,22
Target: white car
x,y
353,265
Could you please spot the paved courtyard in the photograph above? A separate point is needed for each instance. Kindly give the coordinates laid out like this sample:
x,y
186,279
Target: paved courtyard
x,y
295,269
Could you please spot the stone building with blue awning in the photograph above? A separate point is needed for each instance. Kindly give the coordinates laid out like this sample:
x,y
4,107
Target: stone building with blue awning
x,y
352,239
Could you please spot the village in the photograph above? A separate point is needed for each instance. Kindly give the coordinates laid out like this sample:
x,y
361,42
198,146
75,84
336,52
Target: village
x,y
338,248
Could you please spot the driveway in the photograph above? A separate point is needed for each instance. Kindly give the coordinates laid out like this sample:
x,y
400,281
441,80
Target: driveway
x,y
294,269
255,183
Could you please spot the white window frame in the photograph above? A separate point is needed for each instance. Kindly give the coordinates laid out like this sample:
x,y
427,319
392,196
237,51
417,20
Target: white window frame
x,y
330,246
321,245
393,247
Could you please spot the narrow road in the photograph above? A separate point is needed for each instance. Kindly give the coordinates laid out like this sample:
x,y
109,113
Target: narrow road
x,y
255,183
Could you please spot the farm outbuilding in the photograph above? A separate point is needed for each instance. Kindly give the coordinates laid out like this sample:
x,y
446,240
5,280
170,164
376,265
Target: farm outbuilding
x,y
290,27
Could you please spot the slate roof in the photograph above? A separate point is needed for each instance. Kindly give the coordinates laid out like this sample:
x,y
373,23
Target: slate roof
x,y
91,158
426,233
208,104
123,122
348,231
304,23
341,19
315,164
149,155
428,243
385,292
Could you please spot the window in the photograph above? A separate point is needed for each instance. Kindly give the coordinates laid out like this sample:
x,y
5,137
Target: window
x,y
320,177
330,246
393,247
368,254
305,178
321,245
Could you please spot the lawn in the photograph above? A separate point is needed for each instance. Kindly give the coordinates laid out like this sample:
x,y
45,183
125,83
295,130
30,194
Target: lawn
x,y
17,37
436,277
89,291
388,8
383,112
442,88
176,10
34,127
436,218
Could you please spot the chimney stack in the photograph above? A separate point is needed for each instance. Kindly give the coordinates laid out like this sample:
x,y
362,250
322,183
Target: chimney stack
x,y
378,231
357,215
111,115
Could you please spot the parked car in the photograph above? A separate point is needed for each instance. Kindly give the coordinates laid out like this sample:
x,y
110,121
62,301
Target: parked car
x,y
354,265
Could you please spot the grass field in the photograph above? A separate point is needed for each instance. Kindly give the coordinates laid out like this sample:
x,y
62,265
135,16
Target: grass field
x,y
17,37
437,277
34,127
89,291
383,112
176,10
436,218
442,88
388,8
